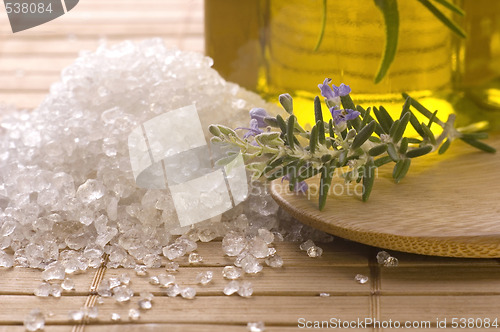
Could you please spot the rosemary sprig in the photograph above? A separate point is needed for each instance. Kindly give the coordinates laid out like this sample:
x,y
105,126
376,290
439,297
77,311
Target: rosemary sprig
x,y
390,13
274,147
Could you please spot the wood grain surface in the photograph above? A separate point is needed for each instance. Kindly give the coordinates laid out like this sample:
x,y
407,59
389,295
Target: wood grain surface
x,y
423,287
420,289
446,206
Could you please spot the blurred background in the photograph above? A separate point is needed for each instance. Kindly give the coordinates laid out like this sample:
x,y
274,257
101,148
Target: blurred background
x,y
31,60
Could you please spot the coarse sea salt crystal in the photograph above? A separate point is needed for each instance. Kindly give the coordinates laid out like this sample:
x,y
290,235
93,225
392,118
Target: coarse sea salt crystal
x,y
204,278
246,289
34,321
188,293
134,314
231,272
361,279
68,284
231,287
256,327
68,193
274,261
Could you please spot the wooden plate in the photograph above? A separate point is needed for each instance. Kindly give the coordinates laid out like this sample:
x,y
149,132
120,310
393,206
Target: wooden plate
x,y
447,205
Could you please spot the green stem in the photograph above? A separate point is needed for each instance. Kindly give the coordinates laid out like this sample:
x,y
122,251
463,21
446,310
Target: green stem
x,y
323,26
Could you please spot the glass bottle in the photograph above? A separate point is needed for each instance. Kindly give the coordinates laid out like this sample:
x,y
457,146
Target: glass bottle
x,y
268,46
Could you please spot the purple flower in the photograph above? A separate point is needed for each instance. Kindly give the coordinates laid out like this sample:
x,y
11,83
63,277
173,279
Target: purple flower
x,y
253,130
334,91
340,116
300,187
259,114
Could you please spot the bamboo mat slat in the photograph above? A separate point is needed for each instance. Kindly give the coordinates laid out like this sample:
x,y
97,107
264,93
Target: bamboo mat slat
x,y
167,328
421,288
31,60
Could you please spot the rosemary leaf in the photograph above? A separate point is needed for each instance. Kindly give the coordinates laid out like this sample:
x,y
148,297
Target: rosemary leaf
x,y
442,17
389,9
324,184
363,135
403,147
290,128
323,25
428,133
313,140
444,146
368,179
347,102
377,150
321,131
403,122
318,114
270,121
451,6
382,161
419,151
400,169
391,151
478,144
287,102
281,124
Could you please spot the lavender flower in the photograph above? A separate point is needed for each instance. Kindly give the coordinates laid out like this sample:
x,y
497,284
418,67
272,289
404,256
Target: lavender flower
x,y
300,187
259,114
254,129
335,91
340,116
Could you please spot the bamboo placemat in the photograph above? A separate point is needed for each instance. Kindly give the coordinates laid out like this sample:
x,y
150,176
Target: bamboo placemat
x,y
421,288
31,60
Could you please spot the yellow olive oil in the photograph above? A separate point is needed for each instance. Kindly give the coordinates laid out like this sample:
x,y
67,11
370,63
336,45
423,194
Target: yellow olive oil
x,y
268,46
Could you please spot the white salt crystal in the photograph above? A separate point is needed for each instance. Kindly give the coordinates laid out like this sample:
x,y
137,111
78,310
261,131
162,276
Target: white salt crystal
x,y
274,261
204,278
145,304
146,296
256,327
314,251
153,280
233,243
43,290
188,293
76,315
231,272
361,279
122,293
172,267
68,284
134,314
34,321
92,312
246,289
195,258
266,235
231,287
54,271
173,290
56,290
258,247
90,191
141,270
382,256
165,280
306,245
